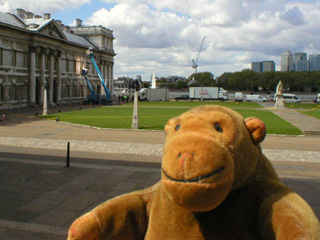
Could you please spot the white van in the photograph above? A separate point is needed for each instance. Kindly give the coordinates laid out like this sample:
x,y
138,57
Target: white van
x,y
290,98
238,97
255,98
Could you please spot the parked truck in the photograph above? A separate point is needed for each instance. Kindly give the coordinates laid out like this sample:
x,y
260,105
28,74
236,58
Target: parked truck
x,y
208,93
153,95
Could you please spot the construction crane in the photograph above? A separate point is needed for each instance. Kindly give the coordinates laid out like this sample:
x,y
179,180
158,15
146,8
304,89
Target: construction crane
x,y
91,99
108,94
195,62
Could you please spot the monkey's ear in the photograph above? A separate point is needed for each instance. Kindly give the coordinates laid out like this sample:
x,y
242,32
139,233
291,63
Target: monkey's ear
x,y
256,128
169,124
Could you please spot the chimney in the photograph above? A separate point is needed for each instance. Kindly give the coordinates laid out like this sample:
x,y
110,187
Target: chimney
x,y
78,22
29,15
21,13
37,16
66,28
60,24
46,15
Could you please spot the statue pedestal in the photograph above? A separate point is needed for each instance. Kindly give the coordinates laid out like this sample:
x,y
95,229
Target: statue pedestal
x,y
135,116
279,101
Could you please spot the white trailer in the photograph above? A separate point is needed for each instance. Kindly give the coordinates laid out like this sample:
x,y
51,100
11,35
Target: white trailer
x,y
208,93
153,95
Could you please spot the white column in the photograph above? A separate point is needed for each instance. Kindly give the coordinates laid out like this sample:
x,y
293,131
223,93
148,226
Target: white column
x,y
51,85
111,75
45,102
32,83
42,72
59,79
107,71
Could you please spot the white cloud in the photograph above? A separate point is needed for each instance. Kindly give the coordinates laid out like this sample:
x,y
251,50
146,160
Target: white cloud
x,y
293,16
167,34
4,6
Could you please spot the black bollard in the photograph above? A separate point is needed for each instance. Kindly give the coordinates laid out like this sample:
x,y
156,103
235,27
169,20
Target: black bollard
x,y
68,154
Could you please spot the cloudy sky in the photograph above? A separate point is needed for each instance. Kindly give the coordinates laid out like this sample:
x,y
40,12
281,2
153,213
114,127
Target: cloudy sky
x,y
165,35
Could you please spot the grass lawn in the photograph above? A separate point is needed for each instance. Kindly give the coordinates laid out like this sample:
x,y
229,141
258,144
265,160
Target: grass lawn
x,y
274,124
311,106
315,114
191,104
154,118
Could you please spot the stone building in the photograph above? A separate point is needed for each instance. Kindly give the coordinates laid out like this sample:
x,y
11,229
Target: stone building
x,y
36,50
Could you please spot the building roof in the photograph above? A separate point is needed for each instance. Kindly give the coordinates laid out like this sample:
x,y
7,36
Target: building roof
x,y
78,39
40,22
36,24
10,20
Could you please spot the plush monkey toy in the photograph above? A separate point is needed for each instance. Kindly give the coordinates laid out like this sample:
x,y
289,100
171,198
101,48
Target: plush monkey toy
x,y
216,184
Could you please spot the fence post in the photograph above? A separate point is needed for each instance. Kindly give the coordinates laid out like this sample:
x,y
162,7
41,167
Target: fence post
x,y
68,154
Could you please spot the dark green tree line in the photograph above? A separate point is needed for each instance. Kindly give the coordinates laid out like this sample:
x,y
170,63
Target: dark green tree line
x,y
248,80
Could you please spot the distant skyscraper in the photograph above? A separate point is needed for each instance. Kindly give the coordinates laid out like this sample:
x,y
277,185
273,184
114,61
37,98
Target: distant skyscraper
x,y
268,66
300,62
314,61
301,65
265,66
299,57
256,67
286,61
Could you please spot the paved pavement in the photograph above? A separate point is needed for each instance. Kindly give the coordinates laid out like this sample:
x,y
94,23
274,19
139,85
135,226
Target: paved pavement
x,y
40,196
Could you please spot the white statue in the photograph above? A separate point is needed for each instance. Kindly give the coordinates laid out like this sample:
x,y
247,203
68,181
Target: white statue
x,y
279,89
279,97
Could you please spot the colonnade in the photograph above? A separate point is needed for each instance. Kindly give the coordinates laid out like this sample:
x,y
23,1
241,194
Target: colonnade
x,y
43,75
52,74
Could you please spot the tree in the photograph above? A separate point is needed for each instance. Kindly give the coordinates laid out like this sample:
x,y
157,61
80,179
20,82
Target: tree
x,y
181,84
223,80
269,80
205,79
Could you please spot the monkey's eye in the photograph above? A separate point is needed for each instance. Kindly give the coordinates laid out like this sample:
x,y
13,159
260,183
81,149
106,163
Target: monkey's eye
x,y
177,127
218,127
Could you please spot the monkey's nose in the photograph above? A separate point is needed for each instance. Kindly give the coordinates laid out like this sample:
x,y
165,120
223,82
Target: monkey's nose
x,y
183,157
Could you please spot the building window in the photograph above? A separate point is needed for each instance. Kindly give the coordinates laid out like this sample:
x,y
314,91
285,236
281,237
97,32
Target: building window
x,y
21,92
71,66
14,58
63,65
9,93
74,90
67,65
64,91
21,59
7,58
13,92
